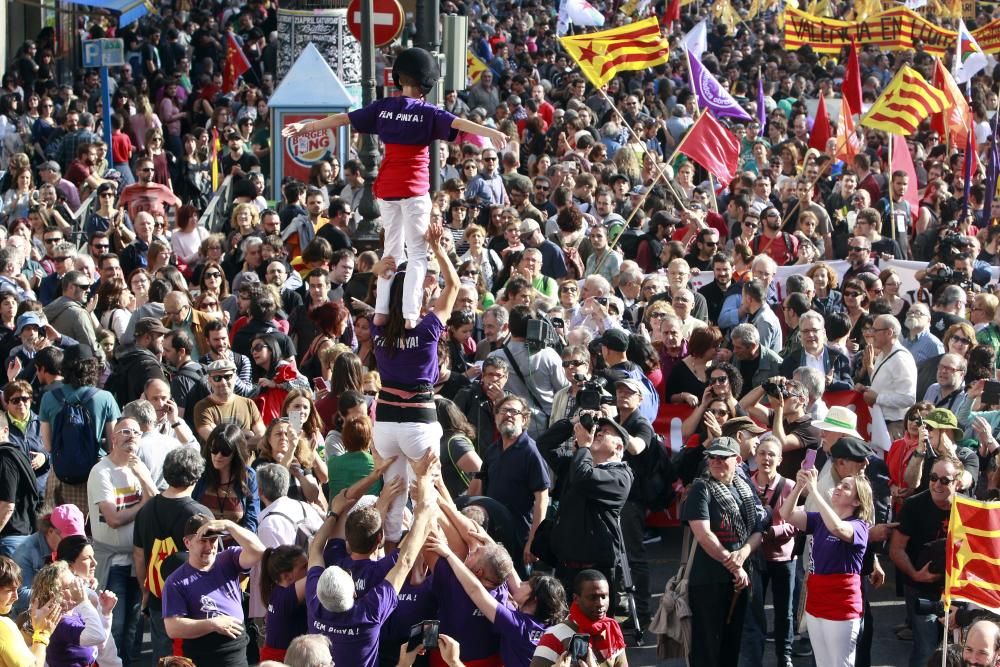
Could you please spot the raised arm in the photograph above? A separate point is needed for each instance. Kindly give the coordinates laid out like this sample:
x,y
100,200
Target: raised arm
x,y
424,514
480,597
843,530
332,121
498,138
446,300
790,512
334,521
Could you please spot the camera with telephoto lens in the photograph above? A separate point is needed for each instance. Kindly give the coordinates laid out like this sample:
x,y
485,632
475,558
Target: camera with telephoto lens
x,y
540,335
775,390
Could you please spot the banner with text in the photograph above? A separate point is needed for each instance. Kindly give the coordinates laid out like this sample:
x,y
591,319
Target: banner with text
x,y
892,30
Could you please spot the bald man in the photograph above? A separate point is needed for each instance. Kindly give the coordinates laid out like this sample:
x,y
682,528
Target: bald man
x,y
180,316
982,645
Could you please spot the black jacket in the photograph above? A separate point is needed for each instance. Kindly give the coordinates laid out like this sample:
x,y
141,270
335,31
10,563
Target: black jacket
x,y
586,529
131,372
476,407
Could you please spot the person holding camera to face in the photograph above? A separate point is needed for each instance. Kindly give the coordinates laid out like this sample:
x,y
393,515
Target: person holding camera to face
x,y
788,401
939,436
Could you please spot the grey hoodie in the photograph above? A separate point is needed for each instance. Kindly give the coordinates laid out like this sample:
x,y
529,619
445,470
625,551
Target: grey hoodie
x,y
70,318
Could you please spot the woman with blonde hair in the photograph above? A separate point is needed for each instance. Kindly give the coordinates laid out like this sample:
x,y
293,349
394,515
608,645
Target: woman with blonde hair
x,y
300,408
82,628
243,221
15,650
282,445
627,162
142,121
834,607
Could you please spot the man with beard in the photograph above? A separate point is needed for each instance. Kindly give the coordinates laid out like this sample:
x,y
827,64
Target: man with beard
x,y
715,291
185,372
921,343
895,211
514,473
982,645
859,253
779,245
140,364
118,487
219,348
81,170
706,244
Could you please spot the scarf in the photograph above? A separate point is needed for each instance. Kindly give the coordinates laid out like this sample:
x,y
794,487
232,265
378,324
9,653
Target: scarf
x,y
742,516
605,635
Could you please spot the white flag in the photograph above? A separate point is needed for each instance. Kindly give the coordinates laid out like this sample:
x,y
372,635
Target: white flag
x,y
577,12
969,58
915,4
696,41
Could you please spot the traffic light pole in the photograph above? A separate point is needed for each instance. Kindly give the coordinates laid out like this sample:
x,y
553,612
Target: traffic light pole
x,y
429,38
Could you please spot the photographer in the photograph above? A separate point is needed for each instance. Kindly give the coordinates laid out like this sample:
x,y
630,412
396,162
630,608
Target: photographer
x,y
790,424
535,374
576,365
917,546
478,400
938,436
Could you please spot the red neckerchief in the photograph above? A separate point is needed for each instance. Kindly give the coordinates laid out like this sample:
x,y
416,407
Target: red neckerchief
x,y
605,635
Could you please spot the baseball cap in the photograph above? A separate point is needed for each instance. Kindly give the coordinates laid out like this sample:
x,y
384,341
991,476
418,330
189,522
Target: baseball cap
x,y
723,446
614,426
194,523
529,227
615,339
150,325
737,424
631,383
68,520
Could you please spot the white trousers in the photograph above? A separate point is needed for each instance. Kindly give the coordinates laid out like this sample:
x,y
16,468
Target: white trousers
x,y
405,222
833,642
408,441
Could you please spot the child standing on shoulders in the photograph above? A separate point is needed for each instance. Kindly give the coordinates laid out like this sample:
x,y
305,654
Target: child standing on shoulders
x,y
406,125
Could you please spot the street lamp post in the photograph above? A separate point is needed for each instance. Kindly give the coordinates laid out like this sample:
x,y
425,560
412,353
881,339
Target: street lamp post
x,y
429,38
368,206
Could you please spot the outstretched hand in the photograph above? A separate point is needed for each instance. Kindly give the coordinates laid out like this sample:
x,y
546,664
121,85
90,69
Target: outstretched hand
x,y
292,129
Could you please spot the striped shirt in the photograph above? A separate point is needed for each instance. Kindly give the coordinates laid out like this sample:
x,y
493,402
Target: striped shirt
x,y
556,641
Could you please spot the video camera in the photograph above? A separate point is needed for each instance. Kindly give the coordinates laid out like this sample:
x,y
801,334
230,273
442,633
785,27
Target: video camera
x,y
592,394
540,335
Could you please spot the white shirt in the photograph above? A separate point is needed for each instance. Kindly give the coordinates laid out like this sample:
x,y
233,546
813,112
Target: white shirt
x,y
120,487
894,381
274,531
153,449
814,362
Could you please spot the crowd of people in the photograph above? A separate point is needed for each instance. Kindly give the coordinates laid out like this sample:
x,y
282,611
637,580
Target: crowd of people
x,y
261,443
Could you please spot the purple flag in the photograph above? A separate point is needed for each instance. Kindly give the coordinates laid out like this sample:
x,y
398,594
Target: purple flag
x,y
967,175
761,110
711,95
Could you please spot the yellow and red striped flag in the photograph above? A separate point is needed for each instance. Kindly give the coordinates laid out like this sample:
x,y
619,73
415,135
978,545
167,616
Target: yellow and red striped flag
x,y
905,102
601,55
474,68
972,566
215,159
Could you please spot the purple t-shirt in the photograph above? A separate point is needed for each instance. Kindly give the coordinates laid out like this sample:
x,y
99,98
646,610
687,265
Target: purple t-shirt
x,y
366,573
285,618
406,126
353,633
461,619
519,634
416,604
198,595
64,645
832,555
416,362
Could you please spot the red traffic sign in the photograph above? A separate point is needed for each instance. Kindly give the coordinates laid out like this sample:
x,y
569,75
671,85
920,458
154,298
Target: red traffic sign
x,y
387,20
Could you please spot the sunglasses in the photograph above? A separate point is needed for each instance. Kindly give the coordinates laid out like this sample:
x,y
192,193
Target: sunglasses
x,y
53,240
222,450
102,246
961,339
222,378
719,412
258,347
109,195
213,274
84,286
568,289
719,380
719,457
20,399
857,248
751,225
466,274
851,295
573,363
934,477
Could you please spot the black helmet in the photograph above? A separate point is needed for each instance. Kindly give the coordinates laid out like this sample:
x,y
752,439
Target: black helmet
x,y
418,64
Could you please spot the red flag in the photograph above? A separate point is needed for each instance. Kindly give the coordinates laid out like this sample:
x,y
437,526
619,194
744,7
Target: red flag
x,y
236,64
821,133
851,88
951,123
672,12
848,143
901,161
713,147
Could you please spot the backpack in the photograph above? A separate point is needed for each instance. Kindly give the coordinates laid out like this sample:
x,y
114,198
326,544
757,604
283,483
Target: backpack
x,y
75,448
303,533
658,477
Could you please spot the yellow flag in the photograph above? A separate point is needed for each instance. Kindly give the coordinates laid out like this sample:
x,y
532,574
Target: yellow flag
x,y
601,55
755,8
474,68
725,14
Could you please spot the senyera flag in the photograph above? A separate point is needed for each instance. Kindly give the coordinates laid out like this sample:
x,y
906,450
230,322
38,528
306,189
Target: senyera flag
x,y
601,55
712,146
972,564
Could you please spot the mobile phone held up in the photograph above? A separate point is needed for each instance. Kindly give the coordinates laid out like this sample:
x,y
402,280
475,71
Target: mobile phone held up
x,y
424,633
809,462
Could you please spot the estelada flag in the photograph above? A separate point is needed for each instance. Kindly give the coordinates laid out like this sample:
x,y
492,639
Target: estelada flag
x,y
236,64
713,147
905,102
601,55
821,133
474,68
972,563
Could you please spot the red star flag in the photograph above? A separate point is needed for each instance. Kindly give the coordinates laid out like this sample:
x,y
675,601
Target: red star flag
x,y
953,121
972,564
601,55
474,68
236,64
713,147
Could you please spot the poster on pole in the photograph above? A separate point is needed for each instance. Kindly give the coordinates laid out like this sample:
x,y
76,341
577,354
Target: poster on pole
x,y
327,29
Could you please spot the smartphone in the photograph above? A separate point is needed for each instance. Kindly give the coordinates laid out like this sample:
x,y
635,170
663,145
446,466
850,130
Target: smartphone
x,y
810,461
321,384
558,323
579,647
424,633
603,300
295,421
430,634
991,393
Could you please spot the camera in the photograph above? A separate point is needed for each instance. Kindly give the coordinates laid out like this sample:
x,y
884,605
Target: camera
x,y
591,395
540,335
775,390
